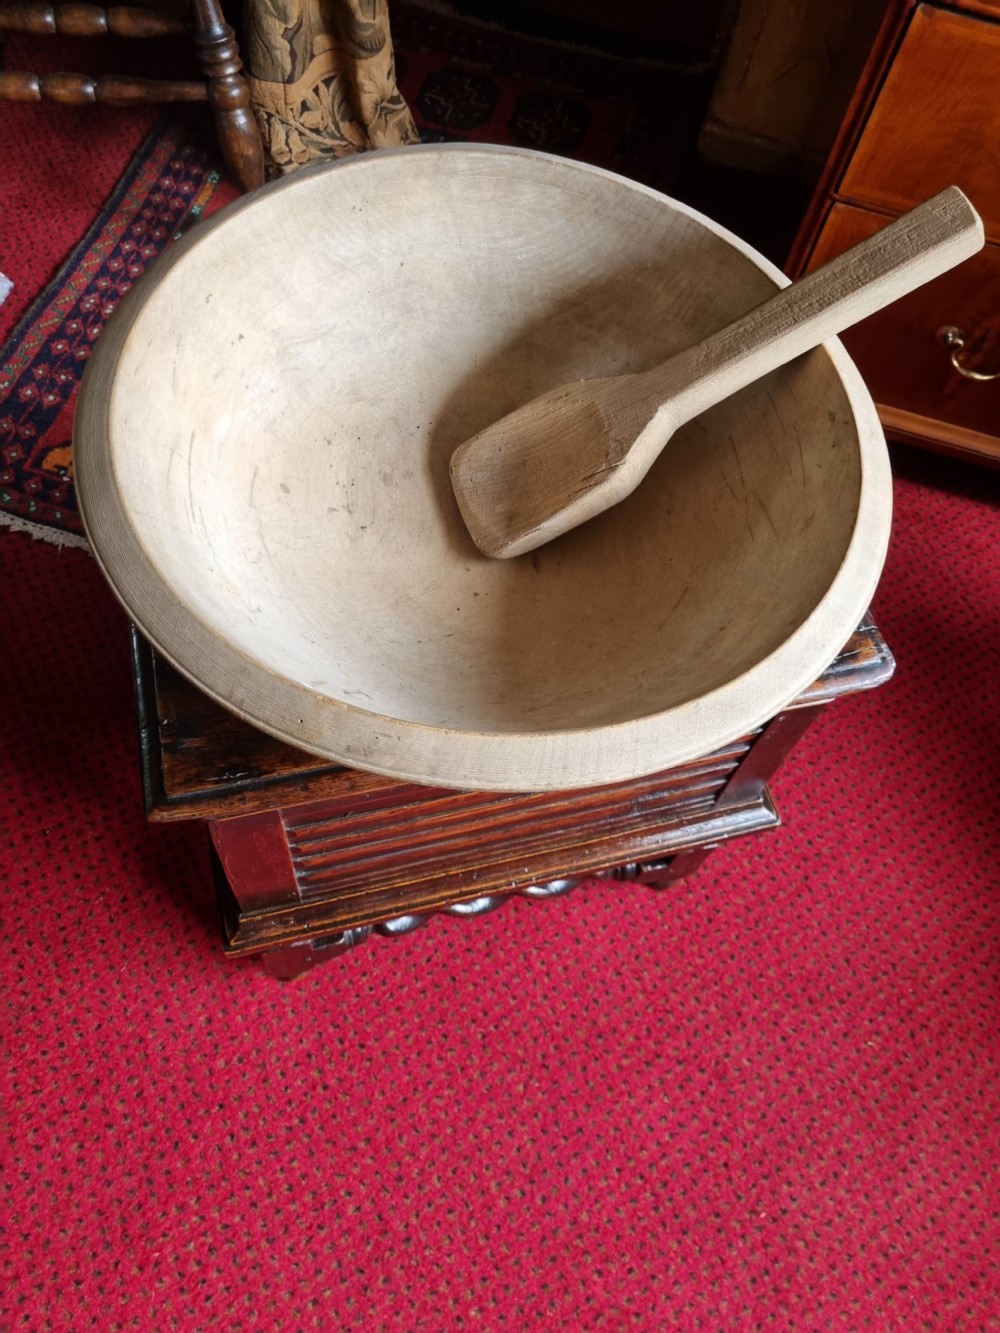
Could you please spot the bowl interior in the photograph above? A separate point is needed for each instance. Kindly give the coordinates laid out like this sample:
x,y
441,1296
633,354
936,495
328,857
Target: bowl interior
x,y
288,388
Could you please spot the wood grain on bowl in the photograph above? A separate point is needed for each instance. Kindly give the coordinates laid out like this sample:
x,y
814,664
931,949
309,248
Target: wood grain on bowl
x,y
262,448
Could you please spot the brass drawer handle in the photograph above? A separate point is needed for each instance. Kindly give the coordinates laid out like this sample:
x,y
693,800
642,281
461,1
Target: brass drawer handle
x,y
955,339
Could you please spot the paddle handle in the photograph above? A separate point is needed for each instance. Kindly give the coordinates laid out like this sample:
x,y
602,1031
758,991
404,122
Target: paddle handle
x,y
920,245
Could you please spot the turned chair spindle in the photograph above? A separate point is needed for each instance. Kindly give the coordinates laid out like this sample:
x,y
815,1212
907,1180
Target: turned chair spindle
x,y
223,87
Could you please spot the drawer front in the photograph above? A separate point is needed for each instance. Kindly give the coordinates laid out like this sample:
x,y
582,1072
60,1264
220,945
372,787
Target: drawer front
x,y
900,354
936,121
989,8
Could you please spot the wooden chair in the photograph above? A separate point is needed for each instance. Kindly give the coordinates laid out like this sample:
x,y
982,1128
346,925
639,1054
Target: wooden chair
x,y
223,86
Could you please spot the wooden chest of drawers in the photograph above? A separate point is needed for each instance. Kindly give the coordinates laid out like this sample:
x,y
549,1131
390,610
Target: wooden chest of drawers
x,y
925,114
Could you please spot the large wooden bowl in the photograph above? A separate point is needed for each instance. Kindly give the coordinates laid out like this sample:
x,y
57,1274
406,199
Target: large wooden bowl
x,y
262,448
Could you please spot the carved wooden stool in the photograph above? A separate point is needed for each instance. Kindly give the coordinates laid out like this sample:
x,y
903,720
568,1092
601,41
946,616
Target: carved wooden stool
x,y
223,87
312,858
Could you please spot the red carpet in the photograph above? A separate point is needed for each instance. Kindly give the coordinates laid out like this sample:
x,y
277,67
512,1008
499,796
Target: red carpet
x,y
768,1099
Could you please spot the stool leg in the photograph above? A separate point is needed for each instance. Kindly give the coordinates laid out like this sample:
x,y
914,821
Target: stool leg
x,y
228,94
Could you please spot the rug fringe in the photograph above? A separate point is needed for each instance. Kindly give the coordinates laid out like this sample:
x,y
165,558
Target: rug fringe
x,y
40,533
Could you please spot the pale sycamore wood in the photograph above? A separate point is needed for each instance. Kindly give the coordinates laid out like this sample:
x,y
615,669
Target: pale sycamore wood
x,y
262,445
576,451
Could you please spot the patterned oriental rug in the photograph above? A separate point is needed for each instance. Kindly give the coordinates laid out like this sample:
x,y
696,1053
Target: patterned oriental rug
x,y
768,1099
168,185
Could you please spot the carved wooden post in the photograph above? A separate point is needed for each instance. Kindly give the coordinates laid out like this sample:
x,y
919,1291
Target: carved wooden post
x,y
228,94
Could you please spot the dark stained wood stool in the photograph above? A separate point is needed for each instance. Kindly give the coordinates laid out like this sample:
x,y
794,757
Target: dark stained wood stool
x,y
311,858
223,87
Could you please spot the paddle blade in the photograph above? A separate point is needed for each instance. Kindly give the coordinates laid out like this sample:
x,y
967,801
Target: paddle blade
x,y
545,468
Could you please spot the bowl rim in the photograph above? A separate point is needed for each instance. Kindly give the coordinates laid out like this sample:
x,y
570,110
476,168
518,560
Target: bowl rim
x,y
435,756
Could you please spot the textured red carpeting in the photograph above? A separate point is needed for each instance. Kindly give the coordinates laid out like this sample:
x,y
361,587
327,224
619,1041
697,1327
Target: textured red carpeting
x,y
769,1098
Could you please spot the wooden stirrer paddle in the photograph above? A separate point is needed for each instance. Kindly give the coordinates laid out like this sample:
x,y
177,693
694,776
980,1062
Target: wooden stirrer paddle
x,y
583,447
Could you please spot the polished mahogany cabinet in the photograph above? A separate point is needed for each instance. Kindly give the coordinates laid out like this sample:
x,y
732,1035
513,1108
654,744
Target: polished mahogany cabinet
x,y
925,115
